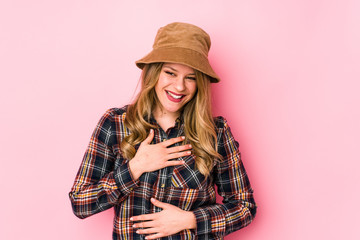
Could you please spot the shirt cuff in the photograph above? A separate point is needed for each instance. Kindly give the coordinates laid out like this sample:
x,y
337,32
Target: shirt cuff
x,y
203,222
124,179
211,219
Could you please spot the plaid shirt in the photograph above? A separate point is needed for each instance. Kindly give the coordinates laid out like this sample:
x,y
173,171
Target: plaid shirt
x,y
104,181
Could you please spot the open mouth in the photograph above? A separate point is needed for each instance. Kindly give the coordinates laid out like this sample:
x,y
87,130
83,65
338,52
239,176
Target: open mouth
x,y
174,97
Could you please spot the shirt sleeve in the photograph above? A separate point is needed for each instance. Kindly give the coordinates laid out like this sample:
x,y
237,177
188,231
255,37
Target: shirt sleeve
x,y
238,208
98,184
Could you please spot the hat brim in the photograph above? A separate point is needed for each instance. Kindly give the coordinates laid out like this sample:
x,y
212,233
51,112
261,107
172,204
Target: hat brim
x,y
180,55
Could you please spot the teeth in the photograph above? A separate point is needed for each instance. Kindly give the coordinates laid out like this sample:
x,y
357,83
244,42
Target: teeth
x,y
174,96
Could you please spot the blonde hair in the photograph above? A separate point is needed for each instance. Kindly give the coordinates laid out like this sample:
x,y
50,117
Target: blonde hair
x,y
199,127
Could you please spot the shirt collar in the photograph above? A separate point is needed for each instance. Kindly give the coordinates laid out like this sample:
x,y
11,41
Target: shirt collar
x,y
178,122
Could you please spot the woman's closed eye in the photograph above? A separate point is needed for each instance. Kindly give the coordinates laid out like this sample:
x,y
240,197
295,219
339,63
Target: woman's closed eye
x,y
174,75
170,73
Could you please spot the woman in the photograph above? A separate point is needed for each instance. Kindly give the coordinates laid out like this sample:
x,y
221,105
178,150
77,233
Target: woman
x,y
157,160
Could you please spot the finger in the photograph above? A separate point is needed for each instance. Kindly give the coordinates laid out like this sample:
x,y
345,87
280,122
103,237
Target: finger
x,y
178,155
173,141
150,137
155,236
179,148
159,204
144,217
147,231
146,224
174,163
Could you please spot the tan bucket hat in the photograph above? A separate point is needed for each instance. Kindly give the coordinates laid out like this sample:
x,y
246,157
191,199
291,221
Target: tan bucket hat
x,y
182,43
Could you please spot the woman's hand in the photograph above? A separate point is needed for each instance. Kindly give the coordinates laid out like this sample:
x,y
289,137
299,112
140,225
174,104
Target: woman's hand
x,y
151,157
169,221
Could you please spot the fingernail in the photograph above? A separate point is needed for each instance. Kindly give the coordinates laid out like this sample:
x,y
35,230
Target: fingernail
x,y
189,152
134,226
137,231
131,219
182,137
190,146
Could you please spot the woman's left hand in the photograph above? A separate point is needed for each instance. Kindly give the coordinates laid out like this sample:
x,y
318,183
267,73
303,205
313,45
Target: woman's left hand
x,y
169,221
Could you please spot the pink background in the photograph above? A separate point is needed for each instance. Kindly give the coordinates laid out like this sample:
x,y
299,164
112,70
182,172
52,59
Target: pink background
x,y
290,90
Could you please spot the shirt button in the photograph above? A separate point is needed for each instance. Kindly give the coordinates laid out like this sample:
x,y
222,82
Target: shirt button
x,y
131,189
162,185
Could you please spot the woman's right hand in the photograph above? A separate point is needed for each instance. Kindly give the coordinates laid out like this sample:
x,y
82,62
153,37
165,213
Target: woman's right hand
x,y
152,157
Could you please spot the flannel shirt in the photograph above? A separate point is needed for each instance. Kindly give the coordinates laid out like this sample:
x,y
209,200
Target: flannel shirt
x,y
104,180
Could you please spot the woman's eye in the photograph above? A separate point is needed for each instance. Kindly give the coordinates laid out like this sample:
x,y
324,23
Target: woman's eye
x,y
192,78
170,73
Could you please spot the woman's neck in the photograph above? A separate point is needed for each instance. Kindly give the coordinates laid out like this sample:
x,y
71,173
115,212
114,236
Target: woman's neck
x,y
165,119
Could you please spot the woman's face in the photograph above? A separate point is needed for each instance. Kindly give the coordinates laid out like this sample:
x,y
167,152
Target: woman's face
x,y
176,86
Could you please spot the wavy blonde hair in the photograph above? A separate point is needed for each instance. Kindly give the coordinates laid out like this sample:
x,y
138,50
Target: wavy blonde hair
x,y
199,124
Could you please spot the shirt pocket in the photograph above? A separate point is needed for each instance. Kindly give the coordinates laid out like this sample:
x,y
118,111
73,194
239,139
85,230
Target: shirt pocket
x,y
189,189
185,176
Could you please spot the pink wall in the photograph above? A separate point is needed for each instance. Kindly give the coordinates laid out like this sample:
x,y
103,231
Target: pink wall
x,y
290,90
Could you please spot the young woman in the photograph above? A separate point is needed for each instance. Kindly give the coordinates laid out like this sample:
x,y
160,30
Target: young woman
x,y
157,160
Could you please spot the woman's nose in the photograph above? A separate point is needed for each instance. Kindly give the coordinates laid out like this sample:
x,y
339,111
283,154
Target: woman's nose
x,y
180,84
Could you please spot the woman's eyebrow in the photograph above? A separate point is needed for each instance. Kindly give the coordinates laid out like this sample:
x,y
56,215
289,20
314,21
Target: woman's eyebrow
x,y
171,68
177,70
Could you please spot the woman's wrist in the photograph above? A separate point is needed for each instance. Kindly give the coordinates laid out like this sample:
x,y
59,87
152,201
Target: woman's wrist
x,y
135,168
190,220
